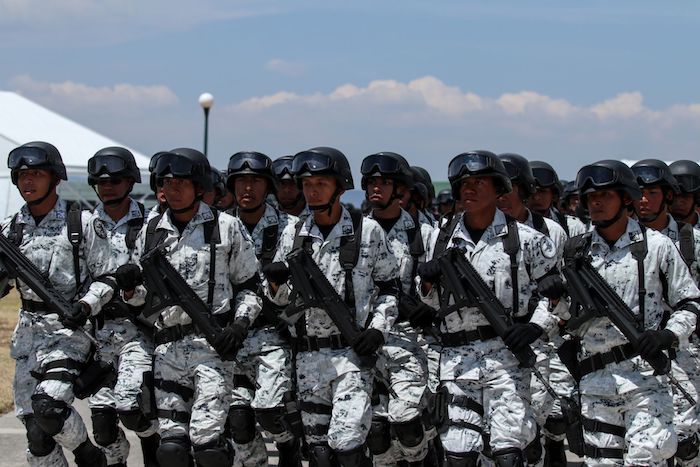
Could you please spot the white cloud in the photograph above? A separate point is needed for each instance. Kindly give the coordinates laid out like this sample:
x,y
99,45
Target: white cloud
x,y
285,67
624,105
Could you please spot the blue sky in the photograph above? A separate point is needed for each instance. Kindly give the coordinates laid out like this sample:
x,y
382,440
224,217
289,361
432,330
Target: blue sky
x,y
561,81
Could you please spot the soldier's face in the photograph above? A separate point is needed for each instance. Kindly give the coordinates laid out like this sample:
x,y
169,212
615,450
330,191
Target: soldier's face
x,y
379,190
542,199
34,183
477,193
603,205
508,202
179,192
250,190
682,204
113,188
650,202
287,192
318,189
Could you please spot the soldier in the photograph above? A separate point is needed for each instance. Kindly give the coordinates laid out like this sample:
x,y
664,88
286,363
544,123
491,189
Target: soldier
x,y
290,198
333,385
385,176
210,250
418,199
49,350
263,382
446,204
480,374
659,188
687,173
544,200
161,204
126,343
218,189
626,409
547,411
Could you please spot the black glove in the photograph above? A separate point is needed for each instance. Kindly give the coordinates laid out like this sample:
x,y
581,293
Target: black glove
x,y
276,272
229,342
430,271
653,342
128,276
368,342
423,317
552,287
77,317
520,335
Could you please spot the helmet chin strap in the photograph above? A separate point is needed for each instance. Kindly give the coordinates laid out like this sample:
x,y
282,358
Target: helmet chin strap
x,y
654,216
196,200
50,190
328,205
607,223
117,201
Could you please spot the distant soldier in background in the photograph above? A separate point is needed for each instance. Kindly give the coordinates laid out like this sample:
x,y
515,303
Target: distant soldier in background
x,y
545,199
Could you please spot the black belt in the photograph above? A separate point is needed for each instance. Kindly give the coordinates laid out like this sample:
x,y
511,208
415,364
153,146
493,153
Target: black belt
x,y
174,333
599,361
460,338
595,452
36,307
174,415
314,344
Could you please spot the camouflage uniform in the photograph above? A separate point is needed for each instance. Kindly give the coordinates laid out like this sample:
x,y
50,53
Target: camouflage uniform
x,y
402,361
265,358
333,388
124,344
41,346
193,384
627,394
485,372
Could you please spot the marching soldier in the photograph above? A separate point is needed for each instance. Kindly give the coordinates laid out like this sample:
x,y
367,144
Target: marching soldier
x,y
544,199
290,198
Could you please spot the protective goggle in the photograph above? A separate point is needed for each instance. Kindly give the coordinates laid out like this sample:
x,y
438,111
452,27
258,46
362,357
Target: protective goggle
x,y
27,156
473,163
544,177
648,175
251,161
512,169
311,162
688,183
379,163
595,176
282,167
175,165
106,165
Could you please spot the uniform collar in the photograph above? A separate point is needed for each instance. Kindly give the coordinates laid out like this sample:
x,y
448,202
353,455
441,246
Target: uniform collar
x,y
497,228
344,227
671,230
134,212
58,211
203,214
633,234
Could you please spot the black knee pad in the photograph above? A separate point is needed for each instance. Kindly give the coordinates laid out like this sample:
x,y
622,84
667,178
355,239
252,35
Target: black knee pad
x,y
174,452
134,420
242,424
271,420
321,455
461,459
688,448
89,455
40,444
409,433
555,425
105,426
533,451
49,413
509,457
379,436
214,454
355,457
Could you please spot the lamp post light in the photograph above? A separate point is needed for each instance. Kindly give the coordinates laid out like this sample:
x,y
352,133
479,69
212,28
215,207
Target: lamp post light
x,y
206,100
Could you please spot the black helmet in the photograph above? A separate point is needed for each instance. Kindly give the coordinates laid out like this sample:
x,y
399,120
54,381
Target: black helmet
x,y
217,181
607,175
386,164
545,175
653,172
474,164
519,171
282,168
323,161
251,163
424,177
185,163
152,170
445,196
113,161
687,174
39,155
569,190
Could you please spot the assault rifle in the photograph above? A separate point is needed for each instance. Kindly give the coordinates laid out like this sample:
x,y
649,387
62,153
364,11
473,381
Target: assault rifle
x,y
461,282
590,292
166,287
18,265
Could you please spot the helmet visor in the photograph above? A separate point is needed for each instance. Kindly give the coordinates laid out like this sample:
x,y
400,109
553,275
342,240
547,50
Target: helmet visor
x,y
472,163
106,165
282,167
175,165
647,175
311,162
378,163
252,162
688,183
595,176
27,156
544,177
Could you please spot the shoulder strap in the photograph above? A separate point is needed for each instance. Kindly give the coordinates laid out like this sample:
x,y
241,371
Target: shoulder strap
x,y
16,231
349,254
511,245
639,251
444,235
687,246
153,236
539,223
212,236
561,219
133,227
74,226
269,244
299,241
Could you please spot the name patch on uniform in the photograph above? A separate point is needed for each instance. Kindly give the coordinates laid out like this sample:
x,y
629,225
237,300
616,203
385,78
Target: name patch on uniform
x,y
100,230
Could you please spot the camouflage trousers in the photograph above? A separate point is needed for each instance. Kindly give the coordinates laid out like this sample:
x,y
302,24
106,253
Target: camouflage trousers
x,y
646,417
686,418
335,396
131,353
39,341
199,390
404,365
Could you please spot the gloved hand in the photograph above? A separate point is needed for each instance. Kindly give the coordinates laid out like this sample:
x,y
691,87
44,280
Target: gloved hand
x,y
430,271
520,335
552,287
368,342
423,317
77,317
128,276
652,342
276,272
229,342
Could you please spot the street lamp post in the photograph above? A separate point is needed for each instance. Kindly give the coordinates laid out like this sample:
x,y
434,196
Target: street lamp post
x,y
206,100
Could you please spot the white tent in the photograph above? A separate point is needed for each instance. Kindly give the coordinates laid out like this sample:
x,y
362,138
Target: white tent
x,y
22,120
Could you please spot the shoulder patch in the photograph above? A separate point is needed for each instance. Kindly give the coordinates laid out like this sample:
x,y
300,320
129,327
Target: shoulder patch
x,y
547,247
100,230
347,229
